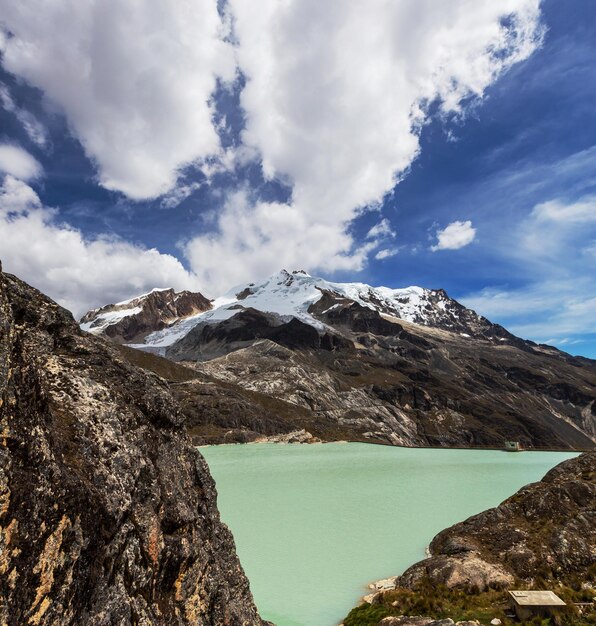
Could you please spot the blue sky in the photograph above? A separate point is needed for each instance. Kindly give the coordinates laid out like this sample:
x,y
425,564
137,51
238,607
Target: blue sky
x,y
506,155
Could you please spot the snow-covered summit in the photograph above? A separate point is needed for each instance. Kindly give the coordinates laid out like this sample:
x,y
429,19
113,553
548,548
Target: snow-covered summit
x,y
294,294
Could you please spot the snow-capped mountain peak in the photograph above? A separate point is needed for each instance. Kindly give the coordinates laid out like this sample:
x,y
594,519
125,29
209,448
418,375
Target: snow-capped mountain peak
x,y
285,295
163,317
293,293
131,320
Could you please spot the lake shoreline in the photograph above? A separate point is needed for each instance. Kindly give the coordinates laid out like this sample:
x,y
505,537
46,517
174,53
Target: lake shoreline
x,y
317,441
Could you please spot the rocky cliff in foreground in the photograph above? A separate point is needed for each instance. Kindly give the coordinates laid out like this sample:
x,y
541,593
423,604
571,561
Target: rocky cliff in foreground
x,y
542,537
108,515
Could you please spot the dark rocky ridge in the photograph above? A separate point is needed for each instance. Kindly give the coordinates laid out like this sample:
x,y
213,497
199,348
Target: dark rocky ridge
x,y
440,311
108,515
396,382
159,309
542,537
207,340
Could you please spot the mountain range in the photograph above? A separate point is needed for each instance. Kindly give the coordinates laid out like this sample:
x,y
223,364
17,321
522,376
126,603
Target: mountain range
x,y
300,356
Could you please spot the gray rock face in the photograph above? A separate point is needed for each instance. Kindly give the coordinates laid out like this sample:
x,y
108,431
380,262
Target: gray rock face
x,y
108,515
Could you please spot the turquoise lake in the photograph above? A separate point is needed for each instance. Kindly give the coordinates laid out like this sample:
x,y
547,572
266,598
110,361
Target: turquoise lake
x,y
314,524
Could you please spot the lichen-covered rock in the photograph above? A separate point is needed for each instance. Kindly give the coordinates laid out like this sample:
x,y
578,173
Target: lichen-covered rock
x,y
464,571
108,515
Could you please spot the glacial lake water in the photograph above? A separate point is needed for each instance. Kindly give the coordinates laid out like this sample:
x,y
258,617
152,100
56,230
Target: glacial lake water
x,y
314,524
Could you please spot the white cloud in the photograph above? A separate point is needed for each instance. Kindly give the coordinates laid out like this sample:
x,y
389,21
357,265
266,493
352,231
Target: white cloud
x,y
546,311
550,251
336,93
133,78
386,253
590,249
77,272
381,229
553,231
33,127
256,238
179,194
455,236
583,210
335,96
18,162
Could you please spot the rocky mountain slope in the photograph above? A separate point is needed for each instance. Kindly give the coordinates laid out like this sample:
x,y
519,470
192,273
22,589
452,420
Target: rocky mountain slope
x,y
401,366
108,514
542,537
132,320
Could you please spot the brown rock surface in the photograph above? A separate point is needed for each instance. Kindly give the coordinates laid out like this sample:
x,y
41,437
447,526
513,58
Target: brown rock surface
x,y
151,312
108,515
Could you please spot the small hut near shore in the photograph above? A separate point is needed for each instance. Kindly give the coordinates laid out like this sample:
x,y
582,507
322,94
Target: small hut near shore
x,y
528,604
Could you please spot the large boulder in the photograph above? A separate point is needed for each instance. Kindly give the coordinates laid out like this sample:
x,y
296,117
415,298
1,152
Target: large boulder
x,y
465,571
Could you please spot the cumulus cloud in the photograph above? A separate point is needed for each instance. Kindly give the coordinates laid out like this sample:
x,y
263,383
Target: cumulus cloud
x,y
18,162
336,93
77,272
335,96
256,238
134,80
455,236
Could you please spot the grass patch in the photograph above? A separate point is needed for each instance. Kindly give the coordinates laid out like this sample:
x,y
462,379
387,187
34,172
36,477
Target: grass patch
x,y
367,615
440,602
